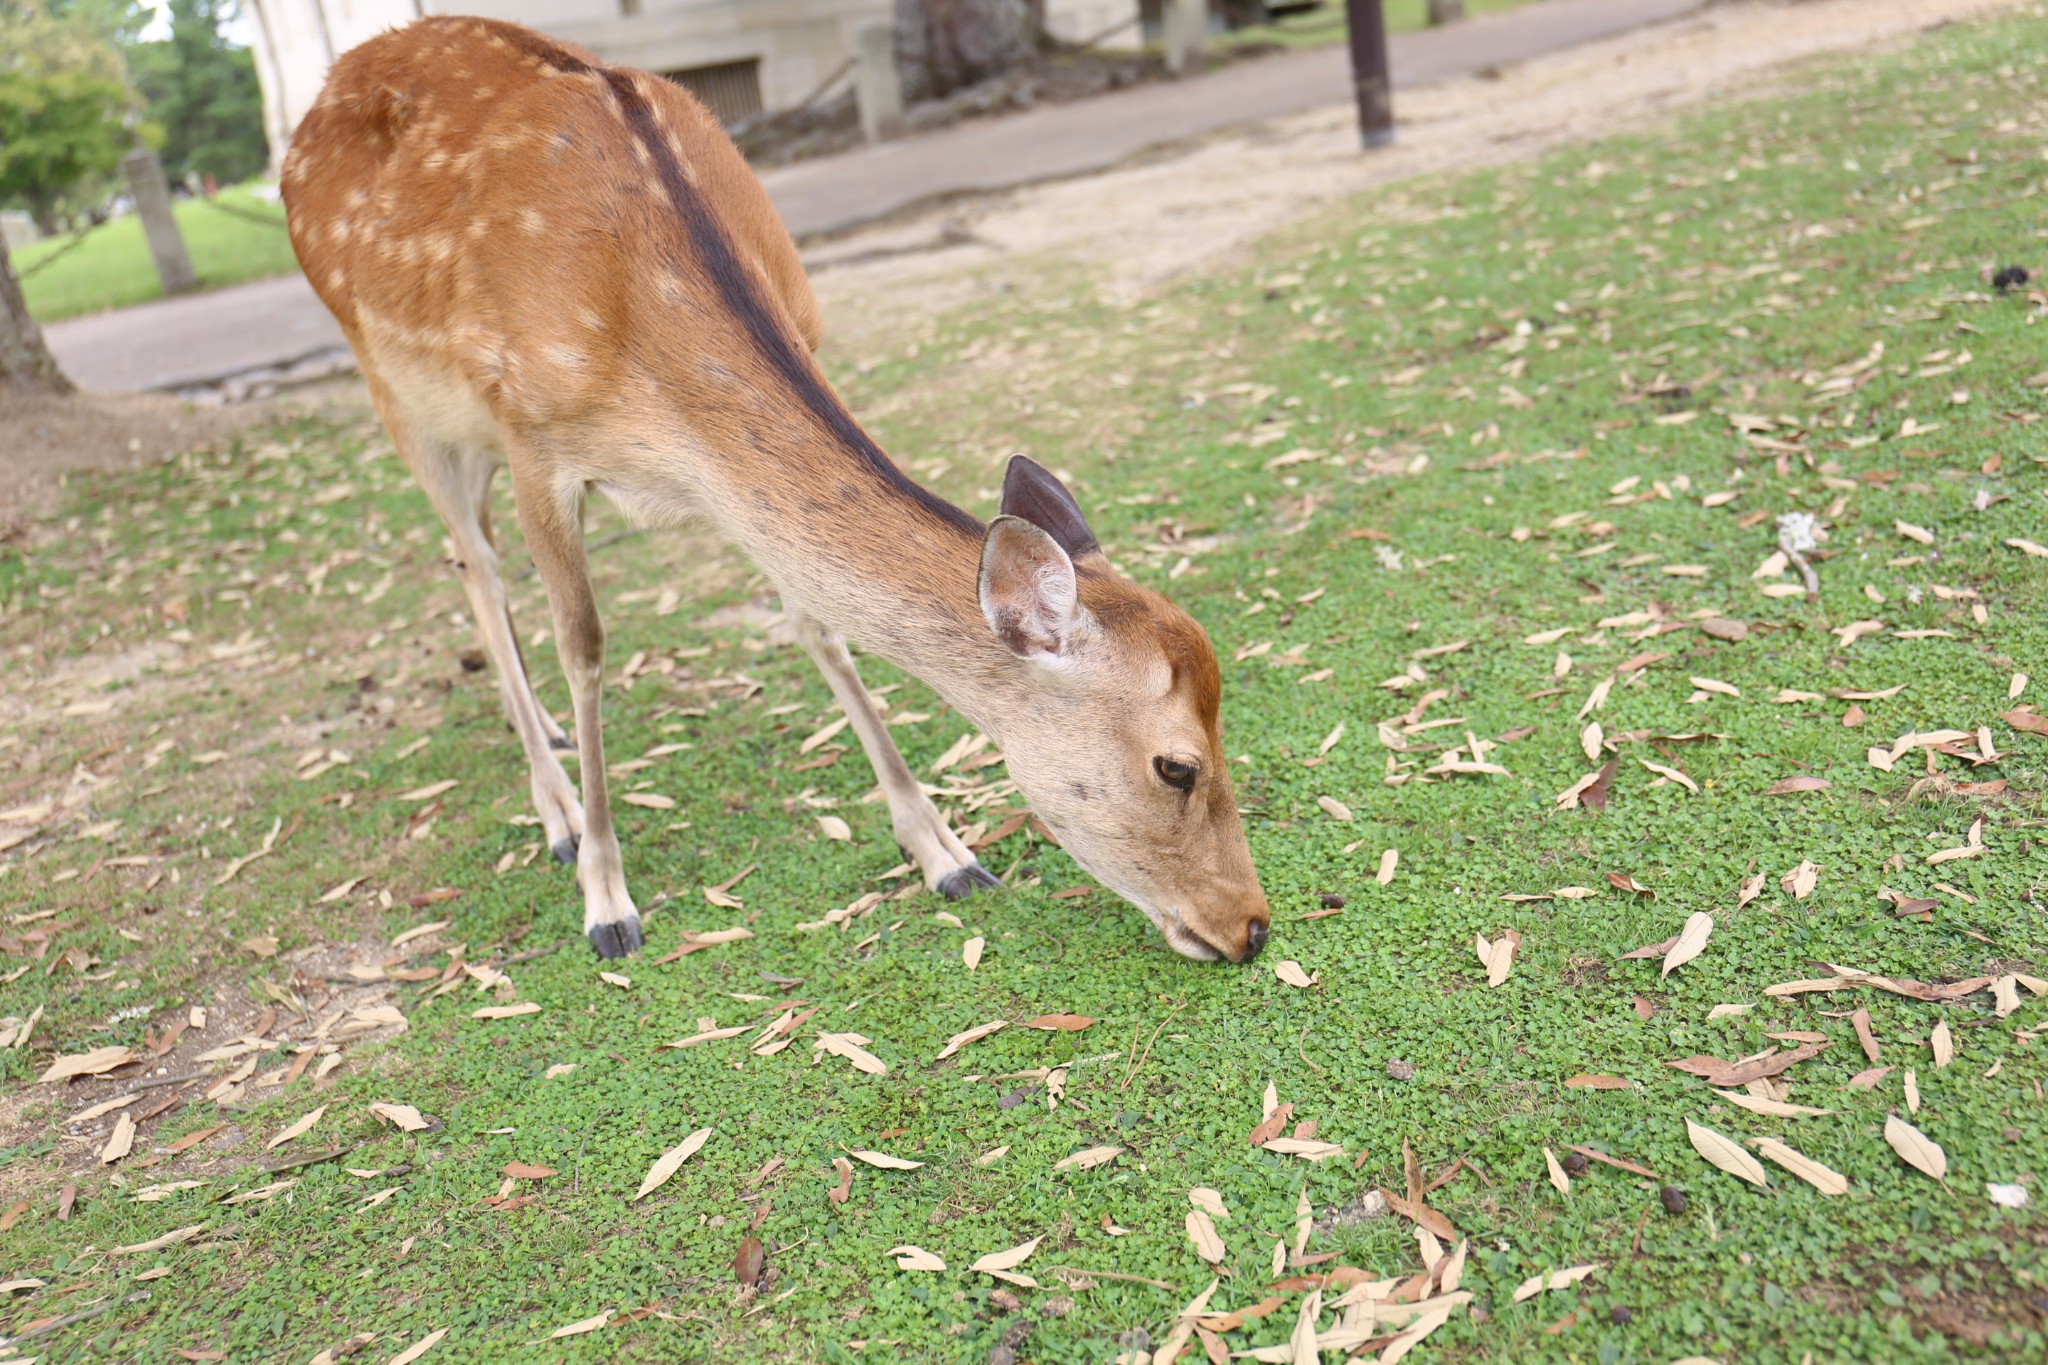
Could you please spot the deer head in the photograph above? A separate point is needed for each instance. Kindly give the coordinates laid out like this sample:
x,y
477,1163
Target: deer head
x,y
1110,724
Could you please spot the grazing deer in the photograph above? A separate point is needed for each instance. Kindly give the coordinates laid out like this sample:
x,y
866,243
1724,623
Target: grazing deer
x,y
567,268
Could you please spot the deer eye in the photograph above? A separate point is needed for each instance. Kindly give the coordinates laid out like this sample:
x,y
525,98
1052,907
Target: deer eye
x,y
1175,773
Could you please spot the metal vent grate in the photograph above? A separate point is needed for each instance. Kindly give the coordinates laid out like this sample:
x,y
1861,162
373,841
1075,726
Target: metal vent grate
x,y
731,90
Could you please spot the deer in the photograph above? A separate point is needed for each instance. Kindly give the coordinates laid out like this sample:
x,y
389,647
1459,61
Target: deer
x,y
567,269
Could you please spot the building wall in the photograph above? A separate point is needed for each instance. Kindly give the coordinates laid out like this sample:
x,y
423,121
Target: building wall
x,y
798,43
1077,21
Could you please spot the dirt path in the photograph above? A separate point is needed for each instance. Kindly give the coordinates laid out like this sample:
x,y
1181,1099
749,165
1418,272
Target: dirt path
x,y
1136,228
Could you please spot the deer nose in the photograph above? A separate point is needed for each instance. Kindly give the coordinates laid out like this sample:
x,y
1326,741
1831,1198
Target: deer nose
x,y
1254,939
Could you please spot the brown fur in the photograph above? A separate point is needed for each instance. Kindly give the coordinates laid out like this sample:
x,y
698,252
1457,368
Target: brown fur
x,y
568,269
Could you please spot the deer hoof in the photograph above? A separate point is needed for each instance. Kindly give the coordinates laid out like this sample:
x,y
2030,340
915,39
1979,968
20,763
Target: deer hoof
x,y
562,744
565,849
959,885
617,939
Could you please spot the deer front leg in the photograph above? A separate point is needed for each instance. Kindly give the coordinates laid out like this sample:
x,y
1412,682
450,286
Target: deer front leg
x,y
554,534
949,867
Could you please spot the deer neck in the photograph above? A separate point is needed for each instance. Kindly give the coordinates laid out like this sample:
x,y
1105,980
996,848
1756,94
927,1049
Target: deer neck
x,y
893,569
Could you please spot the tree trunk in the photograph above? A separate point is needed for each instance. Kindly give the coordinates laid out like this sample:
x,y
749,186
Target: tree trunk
x,y
25,362
942,45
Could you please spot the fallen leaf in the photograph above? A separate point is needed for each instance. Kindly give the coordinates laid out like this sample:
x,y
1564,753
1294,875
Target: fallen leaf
x,y
120,1142
1389,860
882,1160
1290,972
296,1130
1673,774
1725,1153
1751,888
843,1045
1558,1179
1061,1023
519,1170
1692,940
970,951
1757,1104
1334,808
1202,1197
418,1348
169,1239
400,1116
1556,1279
1583,1081
577,1329
506,1011
93,1063
914,1258
1944,1044
1805,1167
1800,881
1088,1159
832,827
1789,786
1497,956
1007,1260
670,1162
1915,1148
1202,1232
973,1035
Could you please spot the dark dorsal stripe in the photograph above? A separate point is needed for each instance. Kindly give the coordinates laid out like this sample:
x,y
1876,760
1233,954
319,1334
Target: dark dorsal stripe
x,y
741,292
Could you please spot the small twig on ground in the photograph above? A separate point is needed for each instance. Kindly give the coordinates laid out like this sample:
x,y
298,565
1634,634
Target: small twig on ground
x,y
1797,533
576,1175
1139,1064
59,1324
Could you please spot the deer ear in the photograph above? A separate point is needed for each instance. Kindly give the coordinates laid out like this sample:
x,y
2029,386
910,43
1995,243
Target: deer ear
x,y
1033,492
1027,590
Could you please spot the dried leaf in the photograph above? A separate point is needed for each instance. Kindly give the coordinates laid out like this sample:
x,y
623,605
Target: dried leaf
x,y
882,1160
119,1142
1672,773
1757,1104
1915,1148
914,1258
93,1063
1202,1197
843,1045
1558,1179
1805,1167
1334,808
1202,1232
1007,1260
418,1348
577,1329
296,1130
970,951
1725,1153
1790,786
1389,860
1062,1023
1290,972
832,827
1583,1081
1944,1044
1556,1279
506,1011
1800,881
670,1162
1088,1159
1692,940
1751,888
973,1035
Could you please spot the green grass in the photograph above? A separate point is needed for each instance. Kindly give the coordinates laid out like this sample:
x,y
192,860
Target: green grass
x,y
1501,375
113,269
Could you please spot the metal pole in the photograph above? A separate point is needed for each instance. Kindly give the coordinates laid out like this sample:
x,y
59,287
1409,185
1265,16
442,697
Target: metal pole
x,y
1368,23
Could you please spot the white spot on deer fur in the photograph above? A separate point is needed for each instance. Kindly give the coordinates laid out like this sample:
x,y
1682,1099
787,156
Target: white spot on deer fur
x,y
531,219
670,287
567,356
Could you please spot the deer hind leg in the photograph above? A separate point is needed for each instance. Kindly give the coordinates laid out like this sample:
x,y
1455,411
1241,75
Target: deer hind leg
x,y
457,481
553,522
949,867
